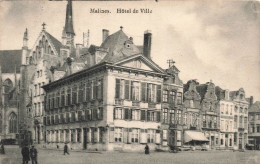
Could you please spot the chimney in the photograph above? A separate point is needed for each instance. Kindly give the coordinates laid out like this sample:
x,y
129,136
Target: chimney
x,y
226,94
147,44
25,47
251,101
105,34
78,48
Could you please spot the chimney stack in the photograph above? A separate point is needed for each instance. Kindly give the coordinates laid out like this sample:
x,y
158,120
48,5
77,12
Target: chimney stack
x,y
226,94
251,101
105,34
147,44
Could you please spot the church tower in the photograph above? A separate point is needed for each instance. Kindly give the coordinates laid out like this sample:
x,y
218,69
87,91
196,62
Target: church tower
x,y
68,30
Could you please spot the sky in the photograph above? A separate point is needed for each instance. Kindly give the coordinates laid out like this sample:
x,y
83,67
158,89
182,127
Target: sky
x,y
218,41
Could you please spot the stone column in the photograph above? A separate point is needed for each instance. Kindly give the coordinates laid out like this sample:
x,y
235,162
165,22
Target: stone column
x,y
59,132
69,137
75,135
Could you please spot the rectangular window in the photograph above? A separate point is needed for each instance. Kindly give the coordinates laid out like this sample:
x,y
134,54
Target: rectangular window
x,y
158,116
165,134
100,113
150,136
172,120
151,116
100,89
143,88
35,90
136,114
40,89
78,135
165,96
204,121
179,98
143,115
135,91
159,93
165,115
135,136
74,94
172,97
118,134
235,122
117,88
68,96
258,129
62,98
127,89
118,113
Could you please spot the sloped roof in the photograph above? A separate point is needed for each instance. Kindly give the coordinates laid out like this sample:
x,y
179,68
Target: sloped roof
x,y
116,49
255,107
56,43
9,59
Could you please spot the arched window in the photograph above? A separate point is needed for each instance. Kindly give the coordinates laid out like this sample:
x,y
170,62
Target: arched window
x,y
46,46
12,123
8,85
1,123
49,49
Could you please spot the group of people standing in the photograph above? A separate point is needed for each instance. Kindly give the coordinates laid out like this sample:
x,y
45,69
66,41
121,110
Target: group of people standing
x,y
29,154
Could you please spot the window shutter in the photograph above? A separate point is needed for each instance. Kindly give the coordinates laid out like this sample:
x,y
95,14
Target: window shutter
x,y
117,88
131,91
127,90
114,113
142,115
130,114
143,88
158,115
111,135
159,93
126,114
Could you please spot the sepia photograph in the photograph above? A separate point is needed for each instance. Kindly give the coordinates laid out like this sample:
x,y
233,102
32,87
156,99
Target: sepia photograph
x,y
148,81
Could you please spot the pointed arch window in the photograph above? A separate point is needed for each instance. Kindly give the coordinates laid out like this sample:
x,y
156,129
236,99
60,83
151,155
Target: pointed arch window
x,y
8,85
49,50
12,123
46,47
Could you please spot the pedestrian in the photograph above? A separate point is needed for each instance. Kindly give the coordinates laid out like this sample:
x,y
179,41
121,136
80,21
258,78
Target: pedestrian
x,y
146,149
2,148
66,149
33,155
26,154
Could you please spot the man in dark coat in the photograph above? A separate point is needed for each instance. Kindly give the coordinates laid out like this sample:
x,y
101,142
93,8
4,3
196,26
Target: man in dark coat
x,y
33,155
66,149
26,154
2,148
146,149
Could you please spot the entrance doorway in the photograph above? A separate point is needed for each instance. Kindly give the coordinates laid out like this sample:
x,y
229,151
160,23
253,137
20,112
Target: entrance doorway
x,y
240,143
84,138
212,141
38,135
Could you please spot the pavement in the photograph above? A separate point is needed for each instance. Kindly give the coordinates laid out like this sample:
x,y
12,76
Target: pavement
x,y
47,156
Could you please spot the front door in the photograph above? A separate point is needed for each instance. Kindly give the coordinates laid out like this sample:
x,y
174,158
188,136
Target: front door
x,y
240,143
84,138
212,141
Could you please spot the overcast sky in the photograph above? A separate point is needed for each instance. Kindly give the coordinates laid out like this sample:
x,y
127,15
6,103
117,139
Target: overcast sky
x,y
218,41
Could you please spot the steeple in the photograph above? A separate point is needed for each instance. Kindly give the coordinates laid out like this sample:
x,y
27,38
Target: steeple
x,y
25,38
68,30
69,19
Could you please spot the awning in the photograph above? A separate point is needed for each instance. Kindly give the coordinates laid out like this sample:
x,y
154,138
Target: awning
x,y
194,136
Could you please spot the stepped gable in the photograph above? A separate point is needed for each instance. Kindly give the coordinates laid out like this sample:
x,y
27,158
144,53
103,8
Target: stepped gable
x,y
9,59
